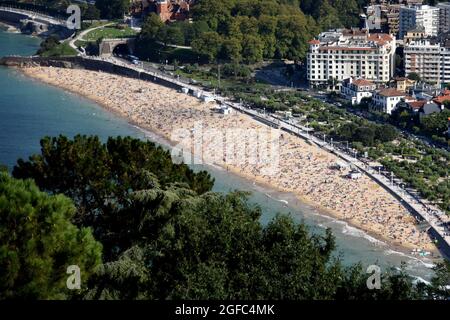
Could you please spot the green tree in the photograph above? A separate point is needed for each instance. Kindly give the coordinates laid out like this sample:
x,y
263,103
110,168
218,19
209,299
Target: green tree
x,y
208,44
90,12
252,49
231,50
38,242
151,27
164,240
171,35
386,133
99,177
112,9
414,76
436,123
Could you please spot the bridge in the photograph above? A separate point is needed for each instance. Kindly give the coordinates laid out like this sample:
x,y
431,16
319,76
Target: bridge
x,y
33,22
107,46
39,17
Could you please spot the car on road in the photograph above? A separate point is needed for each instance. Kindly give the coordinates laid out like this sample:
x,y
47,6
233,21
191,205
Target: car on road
x,y
131,57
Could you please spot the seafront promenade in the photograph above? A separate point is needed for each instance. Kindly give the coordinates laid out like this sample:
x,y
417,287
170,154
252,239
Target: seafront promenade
x,y
435,217
409,201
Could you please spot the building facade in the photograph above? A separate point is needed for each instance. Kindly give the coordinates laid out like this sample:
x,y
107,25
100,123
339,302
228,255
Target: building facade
x,y
444,16
355,90
340,54
386,100
419,16
430,59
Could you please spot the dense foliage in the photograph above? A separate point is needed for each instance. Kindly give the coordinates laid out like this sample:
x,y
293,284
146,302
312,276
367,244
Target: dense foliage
x,y
239,31
250,31
164,240
100,177
38,242
112,9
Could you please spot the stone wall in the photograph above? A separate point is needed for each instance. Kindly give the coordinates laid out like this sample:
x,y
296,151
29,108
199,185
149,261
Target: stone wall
x,y
87,64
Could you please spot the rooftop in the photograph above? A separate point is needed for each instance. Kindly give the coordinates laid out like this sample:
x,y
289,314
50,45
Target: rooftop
x,y
362,82
441,99
417,104
391,93
352,39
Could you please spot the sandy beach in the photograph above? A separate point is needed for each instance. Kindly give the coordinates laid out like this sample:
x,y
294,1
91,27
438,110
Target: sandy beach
x,y
303,169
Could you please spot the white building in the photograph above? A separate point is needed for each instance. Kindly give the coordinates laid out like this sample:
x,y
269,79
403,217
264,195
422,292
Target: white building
x,y
419,16
429,58
386,100
357,89
340,54
444,16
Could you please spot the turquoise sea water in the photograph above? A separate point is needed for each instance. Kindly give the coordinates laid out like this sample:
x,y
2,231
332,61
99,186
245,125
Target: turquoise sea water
x,y
30,110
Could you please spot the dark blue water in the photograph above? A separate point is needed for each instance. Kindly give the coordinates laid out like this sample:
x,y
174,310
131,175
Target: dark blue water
x,y
30,110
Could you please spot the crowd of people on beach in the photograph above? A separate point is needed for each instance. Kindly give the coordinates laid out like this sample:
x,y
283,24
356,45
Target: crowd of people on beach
x,y
297,166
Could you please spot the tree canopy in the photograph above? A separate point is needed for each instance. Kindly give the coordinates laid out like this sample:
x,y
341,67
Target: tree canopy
x,y
38,242
164,237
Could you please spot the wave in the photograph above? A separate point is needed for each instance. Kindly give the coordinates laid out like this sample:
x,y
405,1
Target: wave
x,y
412,258
352,231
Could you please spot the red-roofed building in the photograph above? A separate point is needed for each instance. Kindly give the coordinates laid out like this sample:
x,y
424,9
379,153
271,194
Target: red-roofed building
x,y
314,41
357,89
342,53
440,100
169,10
386,100
415,106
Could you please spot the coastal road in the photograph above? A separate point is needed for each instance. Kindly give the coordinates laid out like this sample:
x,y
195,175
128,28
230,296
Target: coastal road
x,y
434,216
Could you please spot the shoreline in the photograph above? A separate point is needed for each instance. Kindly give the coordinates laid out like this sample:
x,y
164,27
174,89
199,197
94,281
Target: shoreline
x,y
403,247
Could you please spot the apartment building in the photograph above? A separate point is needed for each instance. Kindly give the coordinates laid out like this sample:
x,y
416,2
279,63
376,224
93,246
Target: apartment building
x,y
429,58
383,17
343,53
419,16
444,16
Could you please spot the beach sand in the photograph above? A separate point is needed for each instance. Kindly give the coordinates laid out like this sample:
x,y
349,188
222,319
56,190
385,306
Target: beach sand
x,y
301,168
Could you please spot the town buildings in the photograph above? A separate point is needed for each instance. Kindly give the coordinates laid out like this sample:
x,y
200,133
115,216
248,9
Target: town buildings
x,y
444,16
429,58
415,16
383,17
414,34
167,10
343,53
402,84
355,90
386,100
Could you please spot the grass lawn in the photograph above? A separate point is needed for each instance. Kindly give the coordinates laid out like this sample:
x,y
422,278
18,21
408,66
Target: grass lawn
x,y
63,49
110,32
